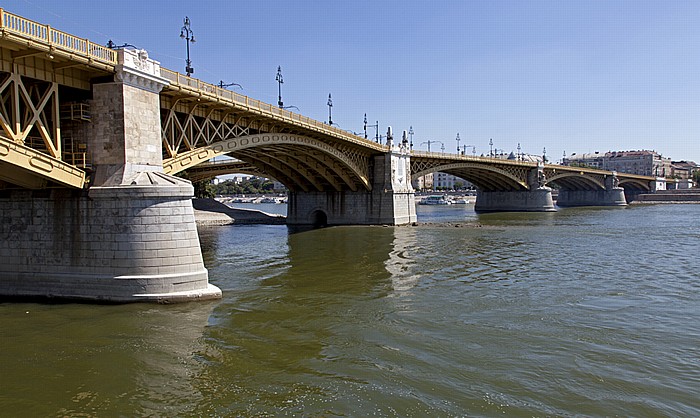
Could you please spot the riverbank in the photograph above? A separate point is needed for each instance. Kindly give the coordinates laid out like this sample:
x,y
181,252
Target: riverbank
x,y
209,212
669,196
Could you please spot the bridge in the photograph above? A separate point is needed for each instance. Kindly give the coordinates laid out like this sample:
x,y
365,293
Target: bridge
x,y
92,139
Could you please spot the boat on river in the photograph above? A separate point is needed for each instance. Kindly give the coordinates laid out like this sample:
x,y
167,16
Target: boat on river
x,y
435,200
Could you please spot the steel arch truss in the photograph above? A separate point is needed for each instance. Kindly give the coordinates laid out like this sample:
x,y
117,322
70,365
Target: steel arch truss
x,y
219,168
298,162
633,184
575,180
485,176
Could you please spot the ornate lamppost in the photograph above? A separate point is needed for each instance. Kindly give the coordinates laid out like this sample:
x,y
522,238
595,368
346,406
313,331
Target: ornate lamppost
x,y
280,81
330,106
187,34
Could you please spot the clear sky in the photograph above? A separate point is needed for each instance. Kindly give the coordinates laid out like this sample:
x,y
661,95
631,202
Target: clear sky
x,y
565,75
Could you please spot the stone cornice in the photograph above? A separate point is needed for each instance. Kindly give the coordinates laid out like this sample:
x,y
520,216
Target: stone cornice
x,y
135,69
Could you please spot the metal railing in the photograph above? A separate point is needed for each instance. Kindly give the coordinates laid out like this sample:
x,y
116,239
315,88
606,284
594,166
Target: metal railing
x,y
57,39
196,86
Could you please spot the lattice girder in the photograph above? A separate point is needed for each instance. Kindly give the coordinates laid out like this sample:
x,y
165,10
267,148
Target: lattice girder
x,y
30,109
199,126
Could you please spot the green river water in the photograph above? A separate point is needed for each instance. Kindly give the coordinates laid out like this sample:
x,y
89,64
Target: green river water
x,y
582,312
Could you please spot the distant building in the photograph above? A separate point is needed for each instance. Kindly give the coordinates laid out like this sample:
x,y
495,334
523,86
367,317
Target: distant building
x,y
594,160
645,163
423,182
439,180
683,170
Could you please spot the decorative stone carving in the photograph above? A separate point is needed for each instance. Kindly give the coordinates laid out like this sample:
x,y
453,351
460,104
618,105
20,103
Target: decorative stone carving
x,y
135,69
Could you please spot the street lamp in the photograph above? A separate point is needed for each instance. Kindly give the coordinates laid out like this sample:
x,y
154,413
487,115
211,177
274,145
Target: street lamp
x,y
376,129
520,155
432,142
410,132
280,81
491,145
458,142
464,149
223,86
187,34
330,106
544,154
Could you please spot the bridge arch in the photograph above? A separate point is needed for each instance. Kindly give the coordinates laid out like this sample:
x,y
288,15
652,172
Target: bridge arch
x,y
485,177
635,185
576,181
299,162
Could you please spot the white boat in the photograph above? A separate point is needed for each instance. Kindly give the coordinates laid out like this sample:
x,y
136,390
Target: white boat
x,y
461,200
435,200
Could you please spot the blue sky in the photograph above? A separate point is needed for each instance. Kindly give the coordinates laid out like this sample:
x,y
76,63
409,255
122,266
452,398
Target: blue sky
x,y
574,76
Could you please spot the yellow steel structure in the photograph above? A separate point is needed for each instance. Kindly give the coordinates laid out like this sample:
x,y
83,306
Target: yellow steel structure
x,y
201,120
34,60
40,38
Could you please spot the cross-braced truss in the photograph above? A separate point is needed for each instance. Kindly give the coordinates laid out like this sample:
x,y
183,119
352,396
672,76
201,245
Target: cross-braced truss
x,y
30,134
29,113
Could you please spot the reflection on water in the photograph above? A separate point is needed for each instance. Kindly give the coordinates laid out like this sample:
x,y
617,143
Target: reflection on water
x,y
579,312
74,359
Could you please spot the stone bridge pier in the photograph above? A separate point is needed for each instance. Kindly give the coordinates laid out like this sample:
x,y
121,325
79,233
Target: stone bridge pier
x,y
391,200
536,198
131,236
612,195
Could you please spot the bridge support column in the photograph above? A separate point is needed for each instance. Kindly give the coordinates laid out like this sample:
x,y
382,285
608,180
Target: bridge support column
x,y
390,202
612,195
132,236
537,199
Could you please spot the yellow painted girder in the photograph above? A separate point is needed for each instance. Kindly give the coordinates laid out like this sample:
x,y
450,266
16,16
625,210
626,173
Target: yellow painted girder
x,y
24,166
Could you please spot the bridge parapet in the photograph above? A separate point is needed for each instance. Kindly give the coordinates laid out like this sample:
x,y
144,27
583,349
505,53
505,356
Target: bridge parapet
x,y
45,37
199,89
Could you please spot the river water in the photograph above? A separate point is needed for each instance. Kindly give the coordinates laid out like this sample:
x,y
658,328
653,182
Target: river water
x,y
582,312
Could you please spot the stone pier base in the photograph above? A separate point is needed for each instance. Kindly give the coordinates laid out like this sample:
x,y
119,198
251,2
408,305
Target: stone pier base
x,y
351,208
115,244
610,197
537,200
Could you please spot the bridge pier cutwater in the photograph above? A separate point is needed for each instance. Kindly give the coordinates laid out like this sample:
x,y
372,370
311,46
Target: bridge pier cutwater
x,y
132,235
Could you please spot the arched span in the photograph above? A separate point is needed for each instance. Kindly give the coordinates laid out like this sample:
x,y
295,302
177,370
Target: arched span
x,y
309,152
484,176
576,181
637,185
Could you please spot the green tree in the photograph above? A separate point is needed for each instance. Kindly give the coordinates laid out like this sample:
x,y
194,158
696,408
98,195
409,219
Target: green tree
x,y
204,189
